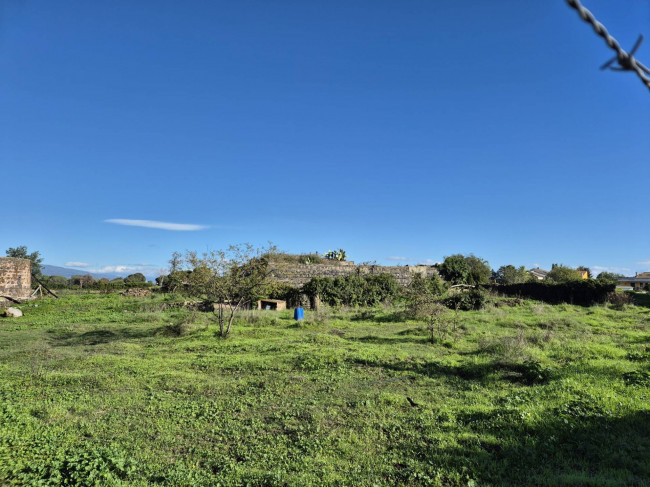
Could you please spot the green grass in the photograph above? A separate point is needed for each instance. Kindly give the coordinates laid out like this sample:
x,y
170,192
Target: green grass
x,y
106,390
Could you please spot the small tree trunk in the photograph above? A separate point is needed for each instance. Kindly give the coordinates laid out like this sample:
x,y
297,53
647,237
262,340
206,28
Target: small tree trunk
x,y
230,320
232,316
220,319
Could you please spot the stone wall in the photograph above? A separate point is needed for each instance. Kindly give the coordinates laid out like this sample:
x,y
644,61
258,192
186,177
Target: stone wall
x,y
298,275
15,277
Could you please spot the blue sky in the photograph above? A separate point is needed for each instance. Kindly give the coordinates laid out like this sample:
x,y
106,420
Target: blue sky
x,y
400,131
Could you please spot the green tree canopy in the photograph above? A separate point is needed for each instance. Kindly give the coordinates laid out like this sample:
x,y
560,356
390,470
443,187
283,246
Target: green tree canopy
x,y
455,269
57,282
21,253
509,274
609,277
479,270
562,273
135,278
465,269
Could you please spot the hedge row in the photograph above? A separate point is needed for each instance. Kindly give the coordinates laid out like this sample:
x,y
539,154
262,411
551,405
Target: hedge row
x,y
582,293
97,285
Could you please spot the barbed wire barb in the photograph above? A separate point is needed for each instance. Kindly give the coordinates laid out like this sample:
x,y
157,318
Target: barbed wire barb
x,y
626,61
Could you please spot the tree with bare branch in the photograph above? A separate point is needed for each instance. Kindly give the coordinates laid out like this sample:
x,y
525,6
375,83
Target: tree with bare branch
x,y
231,279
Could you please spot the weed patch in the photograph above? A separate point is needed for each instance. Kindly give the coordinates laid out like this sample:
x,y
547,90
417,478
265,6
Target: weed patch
x,y
106,390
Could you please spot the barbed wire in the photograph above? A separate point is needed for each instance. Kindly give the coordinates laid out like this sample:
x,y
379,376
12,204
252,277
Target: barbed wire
x,y
626,61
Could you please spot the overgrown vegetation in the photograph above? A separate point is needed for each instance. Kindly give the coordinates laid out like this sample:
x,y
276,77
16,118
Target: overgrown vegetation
x,y
89,283
108,390
354,289
283,257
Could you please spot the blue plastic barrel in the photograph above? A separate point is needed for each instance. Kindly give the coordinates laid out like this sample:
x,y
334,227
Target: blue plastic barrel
x,y
298,314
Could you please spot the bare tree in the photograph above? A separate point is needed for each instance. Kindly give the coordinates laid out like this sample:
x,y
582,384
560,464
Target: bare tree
x,y
437,321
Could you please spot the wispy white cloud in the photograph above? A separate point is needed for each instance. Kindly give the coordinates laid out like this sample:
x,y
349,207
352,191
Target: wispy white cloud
x,y
644,262
397,258
115,268
125,269
597,269
177,227
76,264
428,262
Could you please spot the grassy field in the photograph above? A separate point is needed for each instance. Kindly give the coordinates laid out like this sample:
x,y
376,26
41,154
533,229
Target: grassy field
x,y
106,390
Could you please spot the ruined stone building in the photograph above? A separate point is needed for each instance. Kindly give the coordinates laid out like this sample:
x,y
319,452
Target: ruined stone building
x,y
15,278
299,274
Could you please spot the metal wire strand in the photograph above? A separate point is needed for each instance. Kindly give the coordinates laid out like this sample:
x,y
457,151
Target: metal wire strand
x,y
626,61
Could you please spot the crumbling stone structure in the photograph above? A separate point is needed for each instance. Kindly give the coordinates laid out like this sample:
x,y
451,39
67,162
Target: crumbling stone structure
x,y
298,275
15,278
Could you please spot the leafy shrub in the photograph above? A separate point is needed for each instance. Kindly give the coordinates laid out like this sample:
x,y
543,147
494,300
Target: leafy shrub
x,y
292,295
89,466
175,282
474,299
421,293
533,372
353,289
618,301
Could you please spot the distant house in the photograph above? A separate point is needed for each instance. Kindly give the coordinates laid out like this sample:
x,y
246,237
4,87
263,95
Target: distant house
x,y
538,273
583,274
638,282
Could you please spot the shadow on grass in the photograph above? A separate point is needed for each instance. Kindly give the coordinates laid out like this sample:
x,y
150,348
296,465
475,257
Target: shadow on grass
x,y
99,337
640,339
518,373
569,446
388,340
394,317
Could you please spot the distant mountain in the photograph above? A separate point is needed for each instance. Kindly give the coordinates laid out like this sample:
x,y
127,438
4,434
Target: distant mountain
x,y
53,270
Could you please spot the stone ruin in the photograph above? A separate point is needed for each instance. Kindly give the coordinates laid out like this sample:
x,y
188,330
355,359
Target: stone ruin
x,y
15,279
298,275
136,292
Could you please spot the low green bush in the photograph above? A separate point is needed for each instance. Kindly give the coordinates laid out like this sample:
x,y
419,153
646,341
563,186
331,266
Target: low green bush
x,y
618,301
473,299
353,289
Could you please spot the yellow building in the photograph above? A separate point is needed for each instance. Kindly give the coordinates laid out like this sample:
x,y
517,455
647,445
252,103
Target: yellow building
x,y
638,282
